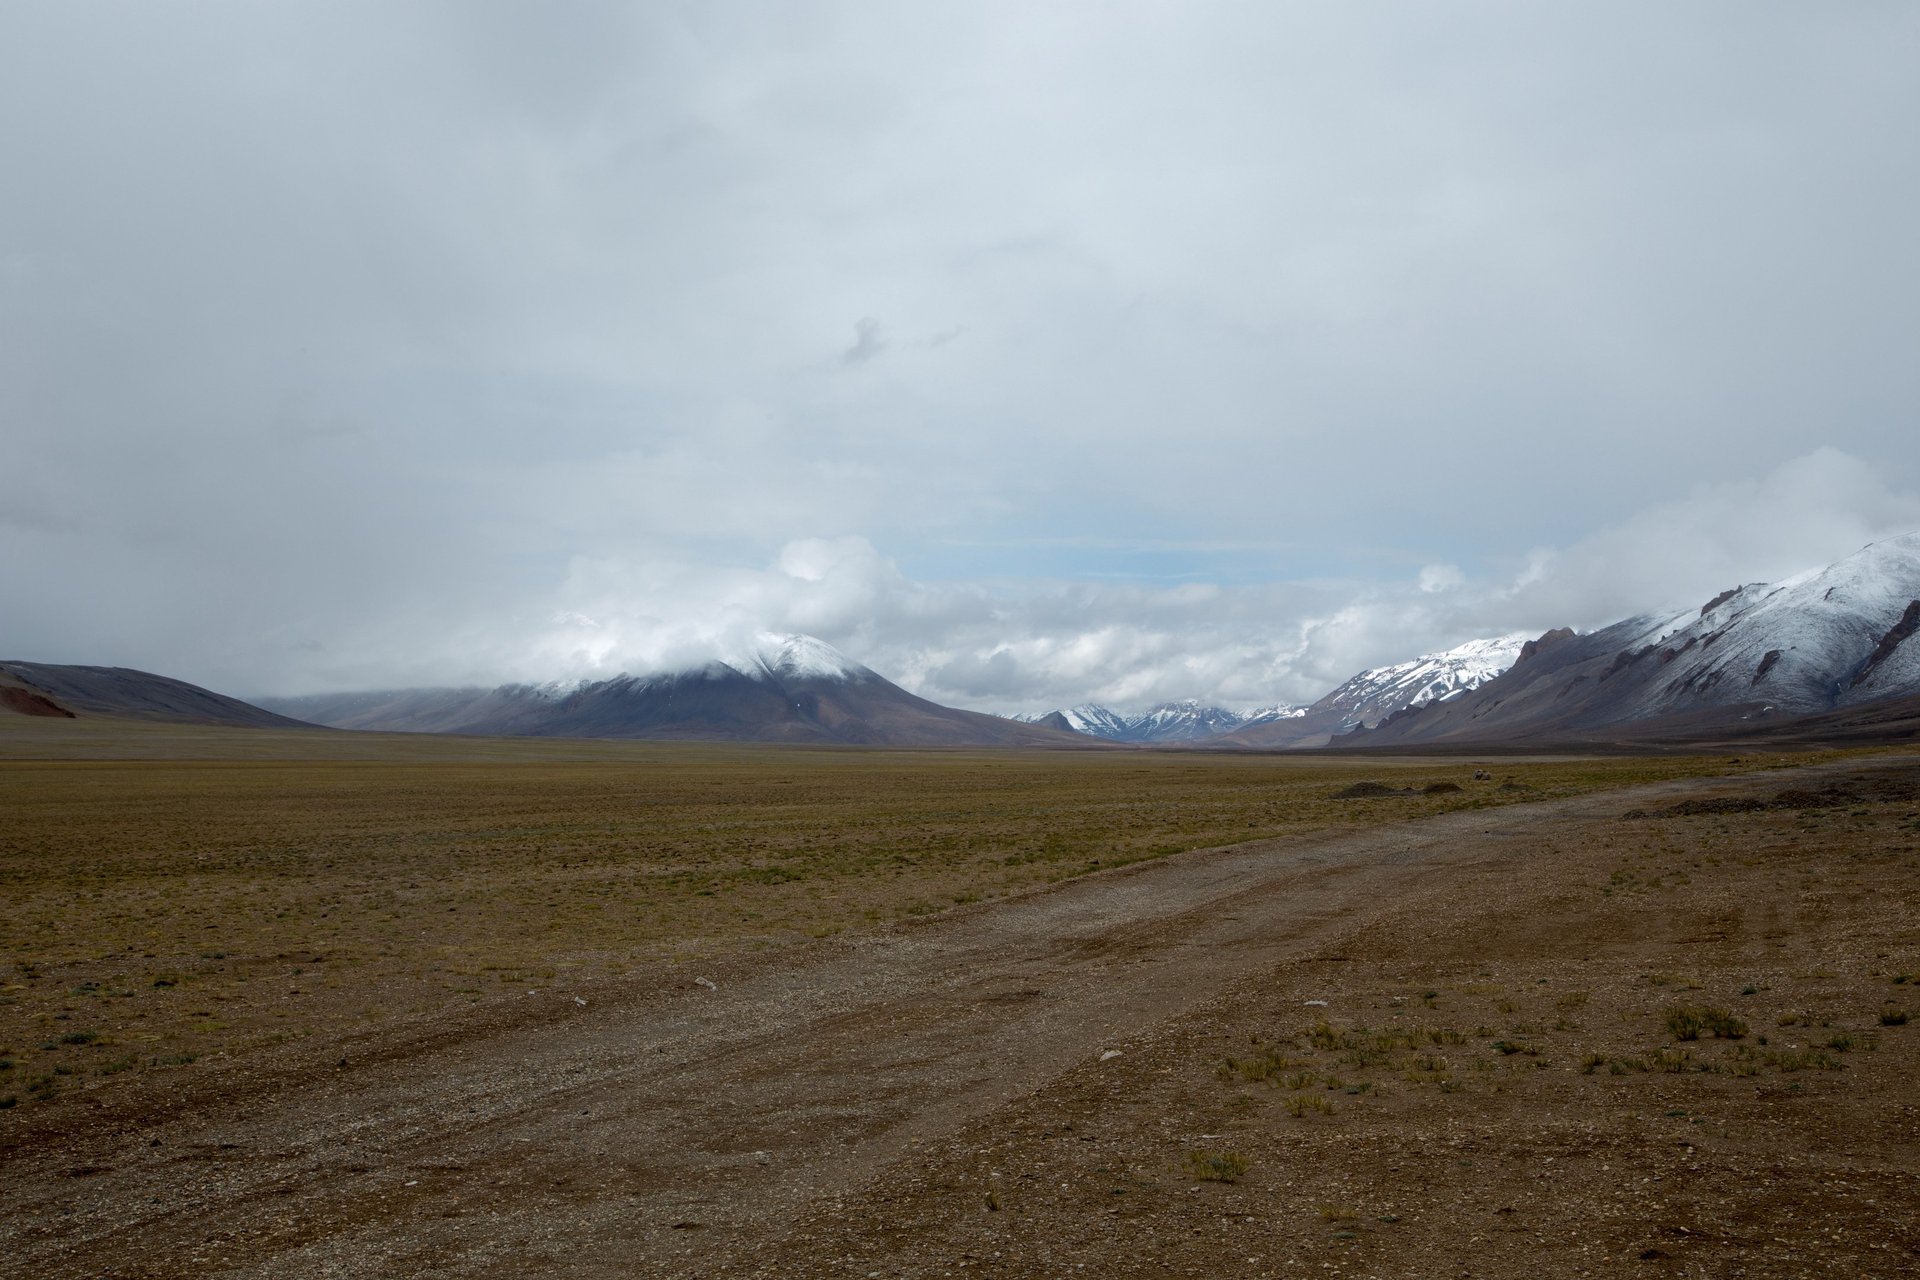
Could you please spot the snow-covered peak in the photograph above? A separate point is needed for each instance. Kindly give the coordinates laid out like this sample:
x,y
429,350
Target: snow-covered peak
x,y
1267,714
555,690
766,655
1876,580
1183,721
1801,644
1375,694
1842,635
802,657
1096,720
1175,712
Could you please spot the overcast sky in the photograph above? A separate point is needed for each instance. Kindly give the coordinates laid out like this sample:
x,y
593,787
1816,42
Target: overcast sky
x,y
1029,353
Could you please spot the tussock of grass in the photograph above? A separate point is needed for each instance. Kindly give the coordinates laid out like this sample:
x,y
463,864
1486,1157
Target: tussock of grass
x,y
1266,1065
1217,1166
1690,1022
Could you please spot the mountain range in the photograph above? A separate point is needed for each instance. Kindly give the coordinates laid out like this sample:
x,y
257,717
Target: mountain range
x,y
1364,699
779,688
1828,640
1833,647
1187,721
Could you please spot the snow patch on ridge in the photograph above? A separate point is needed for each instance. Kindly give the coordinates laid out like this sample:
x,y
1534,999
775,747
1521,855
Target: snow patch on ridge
x,y
776,656
1377,693
766,656
1183,721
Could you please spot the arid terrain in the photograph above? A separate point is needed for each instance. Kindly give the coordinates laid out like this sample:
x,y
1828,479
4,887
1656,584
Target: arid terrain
x,y
286,1004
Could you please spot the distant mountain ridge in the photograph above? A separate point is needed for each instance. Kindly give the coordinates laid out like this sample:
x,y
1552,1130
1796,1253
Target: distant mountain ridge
x,y
1366,698
1826,640
1186,721
1379,692
1825,645
777,688
58,690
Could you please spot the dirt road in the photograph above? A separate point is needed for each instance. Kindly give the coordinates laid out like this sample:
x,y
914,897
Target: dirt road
x,y
684,1122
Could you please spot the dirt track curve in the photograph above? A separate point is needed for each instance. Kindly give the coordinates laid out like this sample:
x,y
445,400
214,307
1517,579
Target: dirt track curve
x,y
552,1137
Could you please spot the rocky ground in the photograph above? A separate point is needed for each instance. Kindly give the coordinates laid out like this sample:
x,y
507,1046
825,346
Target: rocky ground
x,y
1545,1038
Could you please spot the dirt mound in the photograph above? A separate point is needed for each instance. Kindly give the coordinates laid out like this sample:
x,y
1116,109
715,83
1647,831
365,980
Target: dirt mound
x,y
1368,789
1713,804
1882,790
28,703
1441,788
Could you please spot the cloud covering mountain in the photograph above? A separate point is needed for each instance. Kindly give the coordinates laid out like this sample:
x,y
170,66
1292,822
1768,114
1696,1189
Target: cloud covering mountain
x,y
775,688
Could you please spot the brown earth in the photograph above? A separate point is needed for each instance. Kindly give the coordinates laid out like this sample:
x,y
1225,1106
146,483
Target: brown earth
x,y
28,703
1453,1044
175,896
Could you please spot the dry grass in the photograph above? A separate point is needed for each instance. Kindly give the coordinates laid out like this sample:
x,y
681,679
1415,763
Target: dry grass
x,y
1532,1070
215,890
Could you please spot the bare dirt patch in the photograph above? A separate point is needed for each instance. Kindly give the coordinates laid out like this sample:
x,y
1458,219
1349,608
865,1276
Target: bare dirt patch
x,y
26,702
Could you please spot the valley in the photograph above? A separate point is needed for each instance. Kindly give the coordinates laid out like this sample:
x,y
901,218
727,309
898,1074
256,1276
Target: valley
x,y
202,892
303,1003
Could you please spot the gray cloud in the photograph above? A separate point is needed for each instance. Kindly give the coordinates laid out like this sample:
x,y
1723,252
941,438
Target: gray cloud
x,y
348,343
868,342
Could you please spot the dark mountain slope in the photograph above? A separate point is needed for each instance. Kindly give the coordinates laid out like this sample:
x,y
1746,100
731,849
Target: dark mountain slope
x,y
788,689
1837,638
138,695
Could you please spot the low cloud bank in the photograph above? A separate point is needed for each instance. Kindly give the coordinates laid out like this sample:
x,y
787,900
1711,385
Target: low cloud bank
x,y
1032,646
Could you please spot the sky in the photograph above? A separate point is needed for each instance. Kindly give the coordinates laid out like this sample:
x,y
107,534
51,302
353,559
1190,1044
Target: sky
x,y
1030,354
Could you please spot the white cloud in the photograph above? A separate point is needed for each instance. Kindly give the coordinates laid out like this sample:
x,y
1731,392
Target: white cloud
x,y
1806,512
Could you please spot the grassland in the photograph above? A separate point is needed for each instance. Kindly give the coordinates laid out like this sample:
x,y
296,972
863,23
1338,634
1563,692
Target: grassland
x,y
266,1011
1677,1043
168,894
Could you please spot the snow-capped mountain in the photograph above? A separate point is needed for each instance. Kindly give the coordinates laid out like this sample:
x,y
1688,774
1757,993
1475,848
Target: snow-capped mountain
x,y
1374,694
1367,698
1186,721
1182,721
1096,722
766,657
1829,638
784,656
1270,714
784,688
